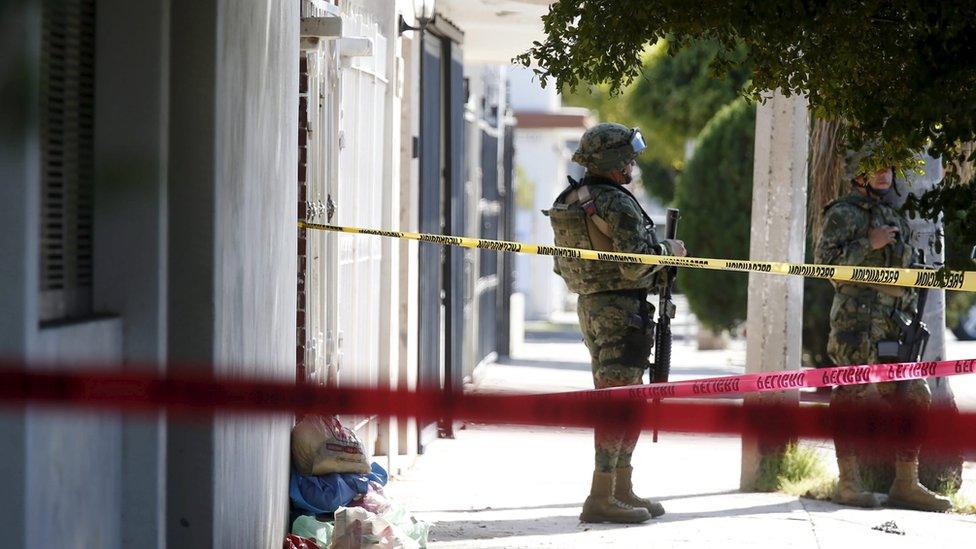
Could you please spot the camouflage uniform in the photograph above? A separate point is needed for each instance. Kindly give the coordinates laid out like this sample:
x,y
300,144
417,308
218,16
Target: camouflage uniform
x,y
864,314
597,213
615,317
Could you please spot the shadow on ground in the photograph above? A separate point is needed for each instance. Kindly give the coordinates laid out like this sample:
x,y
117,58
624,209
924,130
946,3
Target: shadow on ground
x,y
702,371
474,529
552,364
578,505
572,336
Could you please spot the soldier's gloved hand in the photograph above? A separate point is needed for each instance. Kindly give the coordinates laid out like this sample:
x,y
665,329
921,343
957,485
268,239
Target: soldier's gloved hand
x,y
879,237
677,247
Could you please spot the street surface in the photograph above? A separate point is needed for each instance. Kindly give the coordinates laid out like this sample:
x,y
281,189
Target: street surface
x,y
497,486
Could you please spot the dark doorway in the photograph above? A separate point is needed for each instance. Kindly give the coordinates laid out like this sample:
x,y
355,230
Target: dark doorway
x,y
442,211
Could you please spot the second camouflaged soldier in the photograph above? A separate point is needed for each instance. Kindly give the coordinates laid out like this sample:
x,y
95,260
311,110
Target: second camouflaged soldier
x,y
862,229
616,320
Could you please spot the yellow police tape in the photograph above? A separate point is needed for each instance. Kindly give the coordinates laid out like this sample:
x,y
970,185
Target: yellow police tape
x,y
913,278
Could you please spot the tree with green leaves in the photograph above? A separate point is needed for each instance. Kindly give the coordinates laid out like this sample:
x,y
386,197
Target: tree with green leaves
x,y
714,194
676,95
901,70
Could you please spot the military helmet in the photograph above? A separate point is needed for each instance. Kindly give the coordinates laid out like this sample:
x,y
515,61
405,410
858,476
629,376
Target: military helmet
x,y
607,147
854,160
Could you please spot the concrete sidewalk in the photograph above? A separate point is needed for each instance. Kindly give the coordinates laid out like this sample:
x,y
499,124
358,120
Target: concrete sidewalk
x,y
523,487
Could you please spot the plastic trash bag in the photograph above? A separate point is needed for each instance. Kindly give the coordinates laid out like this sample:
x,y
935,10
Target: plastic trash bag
x,y
298,542
309,527
323,494
321,445
415,529
356,528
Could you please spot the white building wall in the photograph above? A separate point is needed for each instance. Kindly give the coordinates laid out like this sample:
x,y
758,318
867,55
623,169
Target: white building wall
x,y
232,263
130,232
408,218
358,193
539,161
355,294
255,243
387,443
74,468
74,457
528,94
542,161
20,27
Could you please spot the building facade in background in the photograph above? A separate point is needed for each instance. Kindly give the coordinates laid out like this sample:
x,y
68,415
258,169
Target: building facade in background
x,y
546,136
156,159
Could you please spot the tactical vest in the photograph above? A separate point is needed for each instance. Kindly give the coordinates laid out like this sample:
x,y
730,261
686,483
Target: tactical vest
x,y
897,255
576,224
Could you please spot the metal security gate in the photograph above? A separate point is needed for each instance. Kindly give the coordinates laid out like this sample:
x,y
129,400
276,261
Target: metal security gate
x,y
323,339
430,345
454,220
357,191
493,287
486,289
344,113
441,306
506,262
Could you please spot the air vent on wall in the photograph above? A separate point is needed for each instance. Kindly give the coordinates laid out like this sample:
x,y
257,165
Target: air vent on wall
x,y
67,96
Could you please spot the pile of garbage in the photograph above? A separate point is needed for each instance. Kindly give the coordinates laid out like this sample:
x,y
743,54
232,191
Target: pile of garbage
x,y
337,494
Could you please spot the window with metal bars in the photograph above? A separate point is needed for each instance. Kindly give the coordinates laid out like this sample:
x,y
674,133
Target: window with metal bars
x,y
67,95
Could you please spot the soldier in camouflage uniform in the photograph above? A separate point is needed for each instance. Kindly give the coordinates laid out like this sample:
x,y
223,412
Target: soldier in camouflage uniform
x,y
862,229
598,213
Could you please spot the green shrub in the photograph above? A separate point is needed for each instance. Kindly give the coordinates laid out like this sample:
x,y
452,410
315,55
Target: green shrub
x,y
679,93
714,194
657,178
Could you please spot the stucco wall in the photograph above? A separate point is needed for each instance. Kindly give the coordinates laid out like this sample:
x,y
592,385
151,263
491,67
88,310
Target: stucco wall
x,y
539,160
233,240
74,457
58,467
256,239
220,196
130,233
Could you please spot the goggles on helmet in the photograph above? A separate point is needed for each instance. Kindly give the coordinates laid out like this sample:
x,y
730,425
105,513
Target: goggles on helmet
x,y
637,141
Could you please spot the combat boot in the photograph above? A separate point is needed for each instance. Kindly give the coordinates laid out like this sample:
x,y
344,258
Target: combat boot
x,y
623,491
600,506
908,493
849,489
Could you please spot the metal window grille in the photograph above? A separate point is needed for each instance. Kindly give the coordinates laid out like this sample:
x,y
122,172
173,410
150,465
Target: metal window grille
x,y
67,95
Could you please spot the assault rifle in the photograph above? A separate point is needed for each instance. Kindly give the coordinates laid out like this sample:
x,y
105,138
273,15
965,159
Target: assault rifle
x,y
665,312
914,337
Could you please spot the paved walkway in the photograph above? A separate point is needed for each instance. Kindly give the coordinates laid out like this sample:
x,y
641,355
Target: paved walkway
x,y
523,487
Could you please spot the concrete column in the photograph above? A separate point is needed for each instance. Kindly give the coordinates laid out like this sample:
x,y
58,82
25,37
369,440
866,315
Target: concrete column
x,y
778,232
389,332
409,219
233,148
